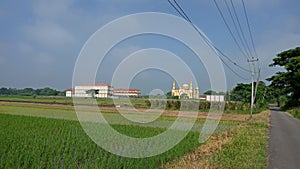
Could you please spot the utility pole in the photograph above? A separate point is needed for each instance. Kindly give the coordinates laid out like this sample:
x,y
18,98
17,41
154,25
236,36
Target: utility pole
x,y
252,84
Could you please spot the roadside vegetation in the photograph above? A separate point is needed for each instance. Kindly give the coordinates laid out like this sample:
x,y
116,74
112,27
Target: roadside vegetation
x,y
295,112
247,149
243,146
285,84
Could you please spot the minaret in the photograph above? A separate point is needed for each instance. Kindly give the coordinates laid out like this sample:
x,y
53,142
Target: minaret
x,y
174,85
191,85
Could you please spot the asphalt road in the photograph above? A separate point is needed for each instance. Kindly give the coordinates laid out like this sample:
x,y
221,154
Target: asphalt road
x,y
284,141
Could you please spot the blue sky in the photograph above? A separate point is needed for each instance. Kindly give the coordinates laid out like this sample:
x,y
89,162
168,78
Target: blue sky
x,y
40,40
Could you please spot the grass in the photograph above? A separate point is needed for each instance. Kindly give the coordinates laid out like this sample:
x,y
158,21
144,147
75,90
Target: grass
x,y
38,110
53,138
141,103
48,142
33,142
247,149
67,112
295,112
69,101
243,146
50,99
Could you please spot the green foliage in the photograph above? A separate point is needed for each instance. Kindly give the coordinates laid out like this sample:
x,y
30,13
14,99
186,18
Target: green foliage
x,y
246,150
287,83
210,92
169,96
295,112
31,142
242,93
31,92
282,101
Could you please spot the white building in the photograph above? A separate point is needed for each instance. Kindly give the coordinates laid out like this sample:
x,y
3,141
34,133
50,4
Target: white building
x,y
70,92
186,91
127,92
214,98
98,90
101,90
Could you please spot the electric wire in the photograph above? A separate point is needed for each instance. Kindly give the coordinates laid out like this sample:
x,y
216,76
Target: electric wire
x,y
250,32
219,52
181,12
254,49
233,70
239,31
230,31
185,16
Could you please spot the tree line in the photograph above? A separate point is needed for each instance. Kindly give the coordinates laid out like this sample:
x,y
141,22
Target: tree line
x,y
284,88
286,84
31,92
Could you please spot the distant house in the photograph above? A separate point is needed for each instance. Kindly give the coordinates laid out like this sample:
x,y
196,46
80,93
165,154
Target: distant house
x,y
100,90
127,92
70,92
213,98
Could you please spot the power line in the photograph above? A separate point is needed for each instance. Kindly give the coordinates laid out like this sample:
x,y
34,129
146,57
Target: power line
x,y
230,31
258,76
243,39
233,70
252,60
248,24
236,29
185,16
242,68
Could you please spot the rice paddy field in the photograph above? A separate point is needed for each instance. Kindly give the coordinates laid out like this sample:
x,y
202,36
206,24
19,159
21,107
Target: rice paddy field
x,y
34,142
43,135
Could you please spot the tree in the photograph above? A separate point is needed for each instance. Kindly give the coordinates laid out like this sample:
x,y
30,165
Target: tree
x,y
47,92
169,96
4,91
210,92
242,92
31,92
288,81
27,92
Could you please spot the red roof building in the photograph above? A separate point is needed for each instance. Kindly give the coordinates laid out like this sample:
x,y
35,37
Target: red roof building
x,y
127,92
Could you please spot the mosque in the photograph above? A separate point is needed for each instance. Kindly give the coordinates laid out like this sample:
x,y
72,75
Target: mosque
x,y
186,91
